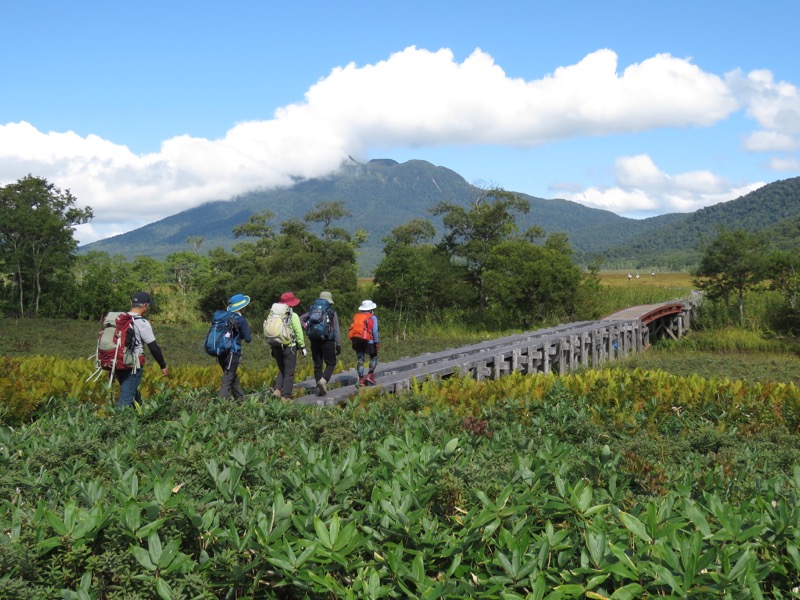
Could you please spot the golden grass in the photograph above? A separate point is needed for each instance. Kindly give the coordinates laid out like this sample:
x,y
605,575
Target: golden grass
x,y
660,279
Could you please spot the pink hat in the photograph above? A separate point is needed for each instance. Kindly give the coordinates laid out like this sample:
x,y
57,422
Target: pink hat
x,y
290,299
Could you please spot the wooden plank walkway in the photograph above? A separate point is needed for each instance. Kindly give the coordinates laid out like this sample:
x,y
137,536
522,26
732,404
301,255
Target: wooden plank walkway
x,y
558,349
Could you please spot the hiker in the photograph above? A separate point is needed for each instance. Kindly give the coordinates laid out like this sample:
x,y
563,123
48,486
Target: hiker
x,y
322,327
365,340
285,353
129,380
229,359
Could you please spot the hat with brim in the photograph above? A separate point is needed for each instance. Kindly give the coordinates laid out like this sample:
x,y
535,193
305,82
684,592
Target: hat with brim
x,y
290,299
326,296
368,305
238,302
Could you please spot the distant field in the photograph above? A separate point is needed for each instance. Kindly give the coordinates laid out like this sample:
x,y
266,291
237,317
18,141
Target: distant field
x,y
671,280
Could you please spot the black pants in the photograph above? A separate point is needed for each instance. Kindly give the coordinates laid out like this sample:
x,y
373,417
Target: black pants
x,y
230,379
323,351
286,358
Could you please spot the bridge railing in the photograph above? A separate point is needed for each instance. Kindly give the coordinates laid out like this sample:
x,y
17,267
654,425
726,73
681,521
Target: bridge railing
x,y
580,345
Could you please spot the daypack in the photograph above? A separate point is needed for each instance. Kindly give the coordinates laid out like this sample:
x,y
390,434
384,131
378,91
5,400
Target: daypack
x,y
223,336
320,320
115,345
361,328
278,326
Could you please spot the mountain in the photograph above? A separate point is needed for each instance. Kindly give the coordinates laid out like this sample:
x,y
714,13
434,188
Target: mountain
x,y
383,194
380,194
773,210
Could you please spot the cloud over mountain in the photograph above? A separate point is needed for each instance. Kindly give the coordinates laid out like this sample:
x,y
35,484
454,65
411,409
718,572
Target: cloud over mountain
x,y
418,98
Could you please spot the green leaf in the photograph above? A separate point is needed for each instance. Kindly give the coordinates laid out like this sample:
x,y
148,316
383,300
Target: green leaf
x,y
373,585
697,517
450,447
344,537
164,592
48,544
281,563
741,565
56,523
667,576
596,542
570,590
322,532
635,526
628,592
154,547
132,515
418,569
143,557
506,564
149,528
627,568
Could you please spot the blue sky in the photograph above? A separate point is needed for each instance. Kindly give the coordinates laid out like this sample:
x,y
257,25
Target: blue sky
x,y
143,110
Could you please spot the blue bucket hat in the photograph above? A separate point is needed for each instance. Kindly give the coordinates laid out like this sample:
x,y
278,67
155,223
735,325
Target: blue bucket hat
x,y
238,302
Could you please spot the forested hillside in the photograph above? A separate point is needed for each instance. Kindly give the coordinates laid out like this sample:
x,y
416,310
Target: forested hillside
x,y
773,210
382,194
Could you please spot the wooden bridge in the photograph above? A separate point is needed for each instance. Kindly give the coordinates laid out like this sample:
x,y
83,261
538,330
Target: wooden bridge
x,y
560,349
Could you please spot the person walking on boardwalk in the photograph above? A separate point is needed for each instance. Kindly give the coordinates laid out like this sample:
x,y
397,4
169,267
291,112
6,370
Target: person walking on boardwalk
x,y
284,333
365,340
322,327
230,359
129,380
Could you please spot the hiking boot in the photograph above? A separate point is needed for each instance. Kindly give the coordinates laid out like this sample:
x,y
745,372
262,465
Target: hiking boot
x,y
322,387
370,379
277,394
362,381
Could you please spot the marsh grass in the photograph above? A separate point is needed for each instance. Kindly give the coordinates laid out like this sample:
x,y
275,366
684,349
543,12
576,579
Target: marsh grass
x,y
619,292
713,349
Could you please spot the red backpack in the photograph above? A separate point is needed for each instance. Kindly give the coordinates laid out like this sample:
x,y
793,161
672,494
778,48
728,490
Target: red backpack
x,y
361,328
115,344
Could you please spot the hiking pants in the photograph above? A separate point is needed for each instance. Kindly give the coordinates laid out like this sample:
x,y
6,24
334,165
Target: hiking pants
x,y
363,349
230,379
286,357
323,351
129,387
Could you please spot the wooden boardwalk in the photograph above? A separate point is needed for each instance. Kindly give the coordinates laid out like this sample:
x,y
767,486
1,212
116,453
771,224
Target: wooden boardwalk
x,y
558,349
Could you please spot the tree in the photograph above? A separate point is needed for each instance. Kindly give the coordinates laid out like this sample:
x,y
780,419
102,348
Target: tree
x,y
187,268
36,236
295,260
732,263
530,284
784,275
148,272
473,234
257,226
415,277
101,283
326,213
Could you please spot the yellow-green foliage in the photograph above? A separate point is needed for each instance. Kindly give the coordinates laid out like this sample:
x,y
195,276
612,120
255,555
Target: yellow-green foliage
x,y
634,398
28,382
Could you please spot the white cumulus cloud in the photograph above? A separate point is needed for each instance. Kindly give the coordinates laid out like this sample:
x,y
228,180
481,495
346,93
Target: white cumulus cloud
x,y
414,98
644,190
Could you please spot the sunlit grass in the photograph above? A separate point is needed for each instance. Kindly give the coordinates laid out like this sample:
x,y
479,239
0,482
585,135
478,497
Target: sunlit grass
x,y
677,280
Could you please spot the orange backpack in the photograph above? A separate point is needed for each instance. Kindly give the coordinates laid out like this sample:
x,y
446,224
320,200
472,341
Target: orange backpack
x,y
361,328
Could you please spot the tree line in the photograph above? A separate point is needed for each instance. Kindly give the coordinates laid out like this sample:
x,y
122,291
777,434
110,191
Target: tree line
x,y
480,269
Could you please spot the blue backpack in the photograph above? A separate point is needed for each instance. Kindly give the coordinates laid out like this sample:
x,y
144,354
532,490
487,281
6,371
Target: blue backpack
x,y
223,336
320,320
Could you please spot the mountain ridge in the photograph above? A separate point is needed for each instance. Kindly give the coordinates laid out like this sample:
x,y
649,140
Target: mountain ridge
x,y
383,193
